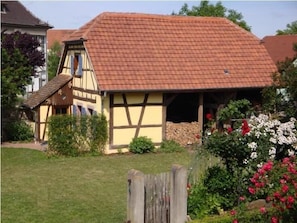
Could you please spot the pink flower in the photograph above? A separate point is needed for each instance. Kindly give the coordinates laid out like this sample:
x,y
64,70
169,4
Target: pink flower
x,y
282,199
286,160
290,199
285,188
259,184
241,198
282,181
233,212
263,210
235,221
268,166
276,194
252,190
274,219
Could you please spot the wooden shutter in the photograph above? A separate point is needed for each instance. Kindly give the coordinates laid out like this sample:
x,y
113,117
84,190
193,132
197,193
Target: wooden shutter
x,y
80,72
83,111
74,110
72,65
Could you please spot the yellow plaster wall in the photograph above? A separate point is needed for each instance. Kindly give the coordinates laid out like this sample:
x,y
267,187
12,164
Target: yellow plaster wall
x,y
42,118
152,116
88,79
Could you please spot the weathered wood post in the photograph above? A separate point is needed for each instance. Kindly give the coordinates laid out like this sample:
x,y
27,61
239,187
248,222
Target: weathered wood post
x,y
135,198
178,194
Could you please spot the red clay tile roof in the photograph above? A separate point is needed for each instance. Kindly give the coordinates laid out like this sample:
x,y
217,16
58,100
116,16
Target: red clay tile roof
x,y
18,15
57,35
47,91
280,47
132,52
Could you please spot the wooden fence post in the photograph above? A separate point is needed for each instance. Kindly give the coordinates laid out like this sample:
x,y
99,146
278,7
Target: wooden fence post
x,y
178,194
135,200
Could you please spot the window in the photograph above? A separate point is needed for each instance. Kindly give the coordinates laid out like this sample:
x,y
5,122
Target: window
x,y
91,111
41,40
76,65
61,111
3,8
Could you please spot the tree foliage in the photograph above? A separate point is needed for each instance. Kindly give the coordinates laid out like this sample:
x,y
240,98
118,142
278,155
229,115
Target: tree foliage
x,y
217,10
291,29
282,96
20,58
53,60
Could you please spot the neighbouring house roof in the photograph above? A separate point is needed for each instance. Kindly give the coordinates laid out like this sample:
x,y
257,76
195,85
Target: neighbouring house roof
x,y
15,14
280,47
132,52
47,91
59,35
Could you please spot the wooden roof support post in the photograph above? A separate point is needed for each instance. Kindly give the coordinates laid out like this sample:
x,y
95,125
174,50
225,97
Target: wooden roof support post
x,y
200,115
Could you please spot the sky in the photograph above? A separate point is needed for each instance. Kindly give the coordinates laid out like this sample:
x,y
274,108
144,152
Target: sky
x,y
264,17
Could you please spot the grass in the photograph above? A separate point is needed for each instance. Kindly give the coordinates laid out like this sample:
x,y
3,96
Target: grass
x,y
84,189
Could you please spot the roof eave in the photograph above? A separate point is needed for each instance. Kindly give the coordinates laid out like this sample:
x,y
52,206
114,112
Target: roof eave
x,y
75,41
26,26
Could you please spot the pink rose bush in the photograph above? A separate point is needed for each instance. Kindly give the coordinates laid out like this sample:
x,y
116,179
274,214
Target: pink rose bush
x,y
278,180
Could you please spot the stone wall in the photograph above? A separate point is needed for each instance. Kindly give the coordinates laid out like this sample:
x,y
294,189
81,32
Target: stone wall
x,y
184,133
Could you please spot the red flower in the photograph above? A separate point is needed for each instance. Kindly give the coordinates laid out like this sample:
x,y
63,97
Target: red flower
x,y
245,127
208,116
235,221
229,130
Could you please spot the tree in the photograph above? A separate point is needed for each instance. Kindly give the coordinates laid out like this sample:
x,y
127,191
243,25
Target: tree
x,y
20,58
217,10
291,29
53,60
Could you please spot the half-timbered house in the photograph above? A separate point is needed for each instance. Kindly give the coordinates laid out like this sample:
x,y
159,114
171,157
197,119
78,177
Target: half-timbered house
x,y
142,71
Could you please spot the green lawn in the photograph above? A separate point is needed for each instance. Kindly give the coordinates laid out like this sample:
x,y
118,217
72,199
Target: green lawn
x,y
83,189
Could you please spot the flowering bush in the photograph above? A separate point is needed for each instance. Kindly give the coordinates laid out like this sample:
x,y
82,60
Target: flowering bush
x,y
279,182
244,150
270,139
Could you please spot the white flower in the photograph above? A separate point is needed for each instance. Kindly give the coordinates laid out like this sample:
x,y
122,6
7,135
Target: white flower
x,y
252,145
291,152
254,155
272,151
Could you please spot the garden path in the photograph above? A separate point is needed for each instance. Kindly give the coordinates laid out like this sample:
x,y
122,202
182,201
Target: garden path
x,y
29,145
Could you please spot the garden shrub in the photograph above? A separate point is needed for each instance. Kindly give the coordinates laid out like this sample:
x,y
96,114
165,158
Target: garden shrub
x,y
219,181
202,203
18,130
141,145
170,146
76,135
238,109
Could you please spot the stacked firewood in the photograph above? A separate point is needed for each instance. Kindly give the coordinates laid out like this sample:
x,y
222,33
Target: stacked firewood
x,y
184,133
